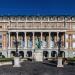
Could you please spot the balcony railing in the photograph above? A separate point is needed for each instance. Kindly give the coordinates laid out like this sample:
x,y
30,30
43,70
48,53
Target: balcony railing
x,y
38,27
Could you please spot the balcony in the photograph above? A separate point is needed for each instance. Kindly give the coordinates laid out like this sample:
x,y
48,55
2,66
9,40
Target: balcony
x,y
38,25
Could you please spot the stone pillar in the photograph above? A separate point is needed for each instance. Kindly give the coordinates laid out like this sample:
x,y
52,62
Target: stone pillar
x,y
64,40
49,54
70,41
25,41
17,35
8,53
4,40
49,41
66,43
9,40
33,41
57,36
25,53
41,40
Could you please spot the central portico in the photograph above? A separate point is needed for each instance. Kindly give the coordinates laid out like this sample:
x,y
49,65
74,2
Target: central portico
x,y
30,41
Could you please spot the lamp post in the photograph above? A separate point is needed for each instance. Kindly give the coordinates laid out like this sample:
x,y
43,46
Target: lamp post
x,y
59,45
16,45
16,58
59,62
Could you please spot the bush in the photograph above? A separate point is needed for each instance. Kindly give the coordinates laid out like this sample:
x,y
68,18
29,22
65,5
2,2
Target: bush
x,y
2,56
71,59
5,59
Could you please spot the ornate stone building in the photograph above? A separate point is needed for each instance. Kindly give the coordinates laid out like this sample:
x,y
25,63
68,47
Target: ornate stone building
x,y
36,33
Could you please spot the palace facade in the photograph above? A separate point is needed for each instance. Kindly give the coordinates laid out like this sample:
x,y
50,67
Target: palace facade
x,y
37,33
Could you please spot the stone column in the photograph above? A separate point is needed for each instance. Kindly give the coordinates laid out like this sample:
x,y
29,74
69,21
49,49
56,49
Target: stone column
x,y
70,41
41,40
4,40
57,36
66,43
64,39
17,35
49,41
33,41
9,40
8,53
49,53
25,41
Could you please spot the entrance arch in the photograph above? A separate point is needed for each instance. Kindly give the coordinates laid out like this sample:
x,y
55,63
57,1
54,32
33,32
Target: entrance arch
x,y
62,53
21,53
12,53
45,54
54,54
29,53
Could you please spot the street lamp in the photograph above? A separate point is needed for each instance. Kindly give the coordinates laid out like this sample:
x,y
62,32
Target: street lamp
x,y
16,58
59,46
59,62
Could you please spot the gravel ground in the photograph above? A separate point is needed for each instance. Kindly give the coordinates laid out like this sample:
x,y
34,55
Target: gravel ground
x,y
37,68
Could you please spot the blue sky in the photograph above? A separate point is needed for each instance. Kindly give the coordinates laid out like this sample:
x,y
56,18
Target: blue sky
x,y
37,7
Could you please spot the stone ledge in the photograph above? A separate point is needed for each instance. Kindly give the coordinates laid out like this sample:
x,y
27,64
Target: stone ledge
x,y
5,63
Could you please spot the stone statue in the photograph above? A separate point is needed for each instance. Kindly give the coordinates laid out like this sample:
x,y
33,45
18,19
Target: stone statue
x,y
38,43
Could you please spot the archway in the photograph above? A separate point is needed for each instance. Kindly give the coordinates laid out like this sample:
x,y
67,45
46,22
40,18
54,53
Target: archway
x,y
12,53
21,53
45,54
29,53
54,54
62,53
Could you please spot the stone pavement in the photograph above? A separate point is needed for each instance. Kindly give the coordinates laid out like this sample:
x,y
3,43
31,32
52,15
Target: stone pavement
x,y
36,68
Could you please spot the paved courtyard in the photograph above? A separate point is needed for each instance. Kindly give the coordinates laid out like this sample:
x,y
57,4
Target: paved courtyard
x,y
35,68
